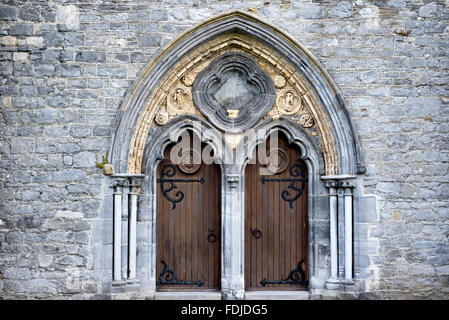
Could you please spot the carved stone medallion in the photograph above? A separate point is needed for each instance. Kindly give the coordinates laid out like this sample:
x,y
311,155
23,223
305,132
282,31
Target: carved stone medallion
x,y
178,101
161,117
277,160
233,92
288,102
306,120
190,162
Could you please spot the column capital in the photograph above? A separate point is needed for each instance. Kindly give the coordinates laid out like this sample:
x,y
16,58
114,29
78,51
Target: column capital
x,y
346,184
331,185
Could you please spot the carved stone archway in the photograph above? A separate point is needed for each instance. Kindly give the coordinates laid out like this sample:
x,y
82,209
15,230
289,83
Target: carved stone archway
x,y
296,95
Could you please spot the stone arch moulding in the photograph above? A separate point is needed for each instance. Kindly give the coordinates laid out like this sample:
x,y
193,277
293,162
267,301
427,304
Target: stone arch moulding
x,y
164,90
173,93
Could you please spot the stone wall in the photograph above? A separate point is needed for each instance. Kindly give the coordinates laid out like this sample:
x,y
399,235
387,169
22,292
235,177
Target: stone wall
x,y
66,65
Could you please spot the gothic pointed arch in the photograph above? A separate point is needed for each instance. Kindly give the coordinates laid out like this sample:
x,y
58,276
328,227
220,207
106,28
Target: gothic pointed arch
x,y
296,86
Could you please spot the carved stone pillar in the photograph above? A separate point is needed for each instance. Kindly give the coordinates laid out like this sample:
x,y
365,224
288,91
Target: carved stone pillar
x,y
125,219
333,282
117,254
348,230
135,183
232,283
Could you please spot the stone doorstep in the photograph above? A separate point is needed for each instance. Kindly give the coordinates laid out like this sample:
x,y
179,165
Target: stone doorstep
x,y
277,295
249,295
216,295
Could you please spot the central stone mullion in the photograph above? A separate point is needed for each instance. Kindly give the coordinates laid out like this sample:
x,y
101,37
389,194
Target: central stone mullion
x,y
232,282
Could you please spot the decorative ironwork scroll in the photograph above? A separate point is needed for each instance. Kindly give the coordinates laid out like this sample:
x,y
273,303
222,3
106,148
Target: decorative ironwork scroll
x,y
168,277
296,276
169,170
298,176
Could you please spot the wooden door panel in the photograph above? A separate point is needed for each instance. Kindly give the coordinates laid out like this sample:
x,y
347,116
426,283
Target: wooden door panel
x,y
188,228
278,209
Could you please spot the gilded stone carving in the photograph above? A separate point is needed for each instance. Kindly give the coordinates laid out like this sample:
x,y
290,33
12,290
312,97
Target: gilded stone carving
x,y
306,120
279,81
161,117
178,101
288,102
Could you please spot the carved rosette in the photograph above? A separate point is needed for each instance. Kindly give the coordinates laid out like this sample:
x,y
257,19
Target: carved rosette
x,y
188,79
190,162
306,120
279,81
277,160
288,102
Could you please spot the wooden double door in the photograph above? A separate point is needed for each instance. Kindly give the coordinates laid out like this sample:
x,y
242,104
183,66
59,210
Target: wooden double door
x,y
189,224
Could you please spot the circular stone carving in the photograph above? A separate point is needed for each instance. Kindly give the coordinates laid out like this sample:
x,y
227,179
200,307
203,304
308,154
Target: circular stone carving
x,y
288,102
187,164
279,81
233,92
306,120
161,118
178,101
282,160
188,79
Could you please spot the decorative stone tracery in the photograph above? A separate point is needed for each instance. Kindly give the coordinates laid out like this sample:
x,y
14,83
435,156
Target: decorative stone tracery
x,y
293,94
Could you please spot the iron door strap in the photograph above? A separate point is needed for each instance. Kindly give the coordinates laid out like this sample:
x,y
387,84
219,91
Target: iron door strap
x,y
256,233
168,277
169,171
296,276
297,176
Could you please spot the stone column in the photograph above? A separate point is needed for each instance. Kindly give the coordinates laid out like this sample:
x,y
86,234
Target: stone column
x,y
332,282
132,248
132,234
348,230
232,283
125,227
117,233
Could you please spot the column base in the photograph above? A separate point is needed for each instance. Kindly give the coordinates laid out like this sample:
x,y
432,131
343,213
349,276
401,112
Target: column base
x,y
133,282
118,283
347,282
232,294
333,284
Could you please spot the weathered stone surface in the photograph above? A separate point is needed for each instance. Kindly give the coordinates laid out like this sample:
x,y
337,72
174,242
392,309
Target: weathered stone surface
x,y
428,10
30,13
312,11
8,13
423,106
342,10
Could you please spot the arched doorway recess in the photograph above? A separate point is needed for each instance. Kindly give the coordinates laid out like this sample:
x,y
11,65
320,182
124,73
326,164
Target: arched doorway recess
x,y
224,80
